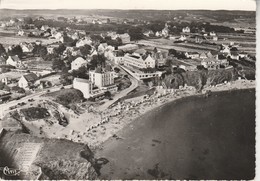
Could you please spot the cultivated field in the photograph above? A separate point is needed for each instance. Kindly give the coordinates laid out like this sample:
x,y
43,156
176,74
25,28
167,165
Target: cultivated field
x,y
168,44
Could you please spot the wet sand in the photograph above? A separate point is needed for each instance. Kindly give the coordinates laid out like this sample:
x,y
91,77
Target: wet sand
x,y
190,138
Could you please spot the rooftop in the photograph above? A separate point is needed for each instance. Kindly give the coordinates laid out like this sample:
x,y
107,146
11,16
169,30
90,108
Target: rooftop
x,y
30,77
81,80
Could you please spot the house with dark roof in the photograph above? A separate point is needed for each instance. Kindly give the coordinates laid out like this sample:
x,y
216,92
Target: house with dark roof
x,y
234,55
211,63
212,54
27,80
160,58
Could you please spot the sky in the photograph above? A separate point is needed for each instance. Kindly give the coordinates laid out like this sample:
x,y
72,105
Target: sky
x,y
249,5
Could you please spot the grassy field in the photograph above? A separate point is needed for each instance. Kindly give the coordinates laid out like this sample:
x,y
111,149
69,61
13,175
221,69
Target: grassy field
x,y
34,63
12,39
12,75
183,47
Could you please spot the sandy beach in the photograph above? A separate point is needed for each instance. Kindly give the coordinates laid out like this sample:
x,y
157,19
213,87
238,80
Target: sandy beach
x,y
94,127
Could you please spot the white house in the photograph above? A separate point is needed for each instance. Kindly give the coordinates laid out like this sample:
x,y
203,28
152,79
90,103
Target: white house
x,y
103,79
125,38
137,61
82,42
186,30
234,55
26,47
203,56
212,33
50,48
192,55
165,32
102,47
128,47
225,49
182,38
45,27
87,88
215,38
118,57
243,54
94,52
27,80
14,61
57,35
84,85
77,63
158,33
148,33
21,33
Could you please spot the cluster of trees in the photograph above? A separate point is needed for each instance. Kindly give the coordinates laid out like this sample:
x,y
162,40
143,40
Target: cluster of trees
x,y
89,27
39,51
2,51
15,50
177,54
117,42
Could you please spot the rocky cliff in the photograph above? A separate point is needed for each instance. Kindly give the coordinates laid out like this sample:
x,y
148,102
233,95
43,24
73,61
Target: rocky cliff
x,y
200,78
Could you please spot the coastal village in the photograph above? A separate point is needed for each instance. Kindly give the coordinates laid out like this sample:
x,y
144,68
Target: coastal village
x,y
59,80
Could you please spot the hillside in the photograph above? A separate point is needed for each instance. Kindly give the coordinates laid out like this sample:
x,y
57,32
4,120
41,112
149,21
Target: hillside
x,y
58,159
199,79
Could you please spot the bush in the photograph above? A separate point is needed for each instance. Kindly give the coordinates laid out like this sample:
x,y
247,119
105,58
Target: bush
x,y
18,90
66,97
32,113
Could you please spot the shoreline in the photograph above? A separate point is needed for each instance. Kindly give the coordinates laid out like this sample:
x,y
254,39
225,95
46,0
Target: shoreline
x,y
95,127
171,98
183,128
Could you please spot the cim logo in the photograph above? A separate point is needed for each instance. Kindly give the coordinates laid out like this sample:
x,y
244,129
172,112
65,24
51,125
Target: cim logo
x,y
10,171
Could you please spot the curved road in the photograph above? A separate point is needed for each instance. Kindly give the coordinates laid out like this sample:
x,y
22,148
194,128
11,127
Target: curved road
x,y
4,108
134,85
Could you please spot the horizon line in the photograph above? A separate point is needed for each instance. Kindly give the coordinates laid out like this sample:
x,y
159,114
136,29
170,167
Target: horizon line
x,y
132,9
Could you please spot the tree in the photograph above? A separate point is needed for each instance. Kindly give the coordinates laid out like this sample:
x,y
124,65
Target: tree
x,y
172,52
60,49
85,50
16,50
135,33
97,60
50,57
116,69
40,50
57,64
82,72
28,20
7,88
66,79
107,94
97,38
43,51
2,85
18,89
2,50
